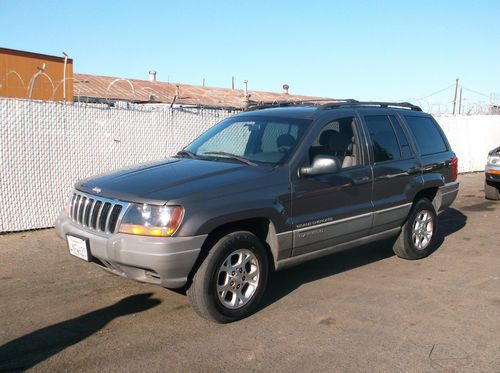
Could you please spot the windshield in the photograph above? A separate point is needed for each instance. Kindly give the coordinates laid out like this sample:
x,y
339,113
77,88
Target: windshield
x,y
251,140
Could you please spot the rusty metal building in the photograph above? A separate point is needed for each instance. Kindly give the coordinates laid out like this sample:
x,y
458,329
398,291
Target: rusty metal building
x,y
35,76
31,75
107,89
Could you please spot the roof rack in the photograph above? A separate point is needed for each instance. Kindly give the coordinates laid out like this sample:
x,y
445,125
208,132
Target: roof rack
x,y
351,102
331,104
271,104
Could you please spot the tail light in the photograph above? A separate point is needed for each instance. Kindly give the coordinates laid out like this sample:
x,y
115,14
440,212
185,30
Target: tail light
x,y
454,168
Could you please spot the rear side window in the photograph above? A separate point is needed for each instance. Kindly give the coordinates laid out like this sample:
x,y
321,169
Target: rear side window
x,y
428,137
385,144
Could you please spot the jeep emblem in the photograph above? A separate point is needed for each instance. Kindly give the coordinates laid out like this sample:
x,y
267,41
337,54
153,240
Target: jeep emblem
x,y
96,189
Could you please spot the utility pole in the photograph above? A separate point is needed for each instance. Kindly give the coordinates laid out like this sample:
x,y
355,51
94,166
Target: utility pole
x,y
460,102
232,82
455,96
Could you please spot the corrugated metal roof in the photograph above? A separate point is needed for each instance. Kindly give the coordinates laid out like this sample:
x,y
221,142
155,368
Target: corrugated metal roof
x,y
112,88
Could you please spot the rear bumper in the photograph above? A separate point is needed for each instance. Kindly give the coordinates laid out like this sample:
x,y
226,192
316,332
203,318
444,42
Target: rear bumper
x,y
447,193
165,261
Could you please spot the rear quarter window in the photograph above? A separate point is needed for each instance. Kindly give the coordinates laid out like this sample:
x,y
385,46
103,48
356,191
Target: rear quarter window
x,y
428,137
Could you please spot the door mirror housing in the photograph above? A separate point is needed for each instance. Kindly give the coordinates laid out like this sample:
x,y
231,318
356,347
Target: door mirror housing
x,y
321,164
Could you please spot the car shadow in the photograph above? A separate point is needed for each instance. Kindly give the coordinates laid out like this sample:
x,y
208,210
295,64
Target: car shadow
x,y
449,221
282,283
25,352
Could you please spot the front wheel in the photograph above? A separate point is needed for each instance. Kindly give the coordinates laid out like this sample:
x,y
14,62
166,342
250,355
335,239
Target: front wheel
x,y
230,282
418,234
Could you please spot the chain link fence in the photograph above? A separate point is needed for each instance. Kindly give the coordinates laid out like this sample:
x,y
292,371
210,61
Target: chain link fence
x,y
46,146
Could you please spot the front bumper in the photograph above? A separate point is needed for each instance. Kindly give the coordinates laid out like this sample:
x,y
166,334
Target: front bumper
x,y
165,261
492,173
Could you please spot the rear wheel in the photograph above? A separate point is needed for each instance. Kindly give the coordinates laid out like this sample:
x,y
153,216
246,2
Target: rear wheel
x,y
230,282
491,190
418,234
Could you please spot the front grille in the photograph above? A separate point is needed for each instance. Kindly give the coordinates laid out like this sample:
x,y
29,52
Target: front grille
x,y
97,213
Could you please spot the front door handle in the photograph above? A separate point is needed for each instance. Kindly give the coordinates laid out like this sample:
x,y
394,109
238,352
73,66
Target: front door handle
x,y
361,180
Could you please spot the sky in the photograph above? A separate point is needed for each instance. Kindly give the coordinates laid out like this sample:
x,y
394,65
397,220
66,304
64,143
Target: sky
x,y
368,50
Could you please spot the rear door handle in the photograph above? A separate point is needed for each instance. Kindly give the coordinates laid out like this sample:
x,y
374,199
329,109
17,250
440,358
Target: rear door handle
x,y
414,170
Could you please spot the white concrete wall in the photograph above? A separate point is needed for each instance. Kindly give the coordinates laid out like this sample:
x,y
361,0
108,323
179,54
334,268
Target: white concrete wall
x,y
471,138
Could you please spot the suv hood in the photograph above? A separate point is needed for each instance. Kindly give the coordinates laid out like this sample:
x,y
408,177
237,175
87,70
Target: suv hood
x,y
169,179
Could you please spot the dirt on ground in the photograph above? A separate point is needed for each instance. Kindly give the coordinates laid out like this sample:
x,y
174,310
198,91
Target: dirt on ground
x,y
360,310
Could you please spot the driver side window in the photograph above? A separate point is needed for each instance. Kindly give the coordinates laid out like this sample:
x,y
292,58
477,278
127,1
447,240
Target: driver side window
x,y
338,138
279,137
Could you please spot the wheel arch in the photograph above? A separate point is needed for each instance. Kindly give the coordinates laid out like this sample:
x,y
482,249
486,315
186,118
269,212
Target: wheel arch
x,y
432,194
430,189
260,226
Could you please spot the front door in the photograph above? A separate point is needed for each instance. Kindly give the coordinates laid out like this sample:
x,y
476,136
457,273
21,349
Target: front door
x,y
331,209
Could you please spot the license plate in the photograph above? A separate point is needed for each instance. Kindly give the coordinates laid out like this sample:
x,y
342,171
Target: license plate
x,y
79,247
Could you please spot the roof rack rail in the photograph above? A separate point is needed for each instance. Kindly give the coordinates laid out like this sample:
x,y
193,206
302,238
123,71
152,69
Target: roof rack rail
x,y
351,102
271,104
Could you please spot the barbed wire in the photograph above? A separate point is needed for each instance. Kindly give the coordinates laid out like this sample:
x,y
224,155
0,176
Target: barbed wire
x,y
144,94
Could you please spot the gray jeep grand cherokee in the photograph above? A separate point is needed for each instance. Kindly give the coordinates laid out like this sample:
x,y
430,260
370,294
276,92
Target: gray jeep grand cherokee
x,y
265,190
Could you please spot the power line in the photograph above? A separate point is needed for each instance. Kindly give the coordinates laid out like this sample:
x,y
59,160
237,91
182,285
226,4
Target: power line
x,y
432,94
446,88
476,92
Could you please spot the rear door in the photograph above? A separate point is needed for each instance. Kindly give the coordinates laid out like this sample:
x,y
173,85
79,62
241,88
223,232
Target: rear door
x,y
435,152
396,170
332,208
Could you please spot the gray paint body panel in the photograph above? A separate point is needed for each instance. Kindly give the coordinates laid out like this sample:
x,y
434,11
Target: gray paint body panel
x,y
331,197
390,218
323,235
447,194
135,257
309,217
286,263
285,244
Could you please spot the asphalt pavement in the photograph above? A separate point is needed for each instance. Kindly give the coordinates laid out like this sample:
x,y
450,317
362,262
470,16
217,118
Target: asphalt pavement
x,y
362,310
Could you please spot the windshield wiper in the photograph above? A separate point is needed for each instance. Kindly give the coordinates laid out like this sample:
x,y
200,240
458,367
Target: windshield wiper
x,y
232,156
188,153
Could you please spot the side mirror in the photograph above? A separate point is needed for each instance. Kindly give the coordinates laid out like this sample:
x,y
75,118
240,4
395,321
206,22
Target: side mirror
x,y
321,164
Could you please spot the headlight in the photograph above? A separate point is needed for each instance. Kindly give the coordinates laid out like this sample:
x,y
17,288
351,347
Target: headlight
x,y
149,220
494,160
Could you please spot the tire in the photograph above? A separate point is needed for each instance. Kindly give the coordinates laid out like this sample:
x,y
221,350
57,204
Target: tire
x,y
418,235
230,282
491,191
